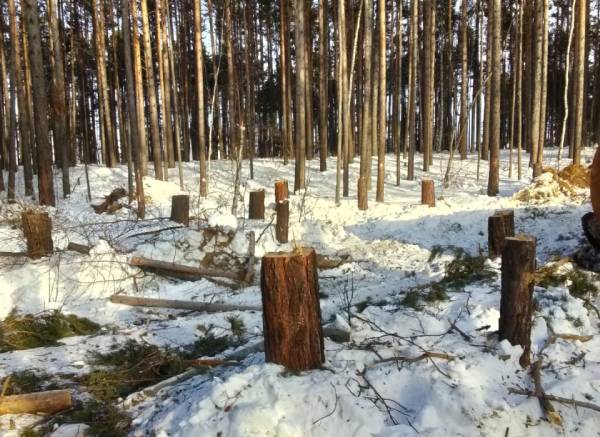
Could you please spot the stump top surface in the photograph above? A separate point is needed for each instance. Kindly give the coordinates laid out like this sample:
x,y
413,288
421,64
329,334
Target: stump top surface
x,y
504,212
301,251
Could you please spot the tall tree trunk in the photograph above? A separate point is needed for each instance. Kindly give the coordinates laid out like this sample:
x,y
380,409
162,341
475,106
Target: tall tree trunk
x,y
300,105
44,155
323,83
286,104
200,96
427,100
139,88
367,119
464,83
151,87
495,26
580,66
381,140
413,54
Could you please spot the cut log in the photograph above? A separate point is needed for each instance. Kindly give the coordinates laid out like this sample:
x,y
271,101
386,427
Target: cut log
x,y
291,310
332,262
256,207
37,228
428,192
180,209
111,202
283,219
282,191
180,271
80,248
205,307
49,402
516,303
500,226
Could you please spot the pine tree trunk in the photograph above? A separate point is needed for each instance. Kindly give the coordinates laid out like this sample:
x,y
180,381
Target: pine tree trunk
x,y
464,83
427,99
496,79
381,140
323,83
300,104
200,98
580,66
139,88
412,88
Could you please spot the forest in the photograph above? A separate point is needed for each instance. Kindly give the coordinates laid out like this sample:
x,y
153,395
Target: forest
x,y
433,266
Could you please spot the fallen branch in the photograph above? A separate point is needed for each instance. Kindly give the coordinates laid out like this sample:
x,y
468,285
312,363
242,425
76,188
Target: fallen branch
x,y
180,271
424,356
208,363
180,304
567,401
48,402
550,413
12,254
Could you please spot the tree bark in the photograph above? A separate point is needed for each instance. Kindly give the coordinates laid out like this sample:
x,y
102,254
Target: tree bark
x,y
516,304
200,97
381,138
428,192
500,226
37,229
300,104
291,310
323,83
180,209
496,80
256,207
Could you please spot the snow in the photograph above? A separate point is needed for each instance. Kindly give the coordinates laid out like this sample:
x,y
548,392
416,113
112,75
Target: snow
x,y
355,393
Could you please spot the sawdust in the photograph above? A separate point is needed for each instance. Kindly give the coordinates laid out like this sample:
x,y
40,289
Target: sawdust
x,y
572,182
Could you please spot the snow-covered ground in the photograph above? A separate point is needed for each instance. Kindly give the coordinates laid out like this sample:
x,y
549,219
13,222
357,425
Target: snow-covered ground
x,y
355,394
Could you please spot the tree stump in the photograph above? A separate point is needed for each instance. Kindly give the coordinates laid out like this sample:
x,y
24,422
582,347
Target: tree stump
x,y
591,229
500,226
363,195
180,209
283,218
516,303
291,310
428,192
37,229
282,191
256,208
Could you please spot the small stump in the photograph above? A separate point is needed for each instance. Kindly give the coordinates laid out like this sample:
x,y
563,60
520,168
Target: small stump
x,y
516,303
291,310
256,208
180,209
428,192
37,228
500,226
283,219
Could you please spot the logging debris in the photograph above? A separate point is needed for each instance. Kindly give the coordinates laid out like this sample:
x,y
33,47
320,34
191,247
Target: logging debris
x,y
111,202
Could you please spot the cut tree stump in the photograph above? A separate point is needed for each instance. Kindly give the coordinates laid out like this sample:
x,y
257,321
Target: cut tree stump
x,y
282,191
591,229
49,402
516,303
428,192
500,226
283,219
291,310
180,209
256,208
37,228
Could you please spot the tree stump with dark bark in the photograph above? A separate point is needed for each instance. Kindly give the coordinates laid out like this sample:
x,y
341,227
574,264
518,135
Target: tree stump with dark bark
x,y
293,335
256,208
180,209
283,218
500,226
37,228
428,192
516,303
282,191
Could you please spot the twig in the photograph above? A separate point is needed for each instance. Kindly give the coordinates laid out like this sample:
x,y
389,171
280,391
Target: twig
x,y
549,412
334,406
567,401
424,356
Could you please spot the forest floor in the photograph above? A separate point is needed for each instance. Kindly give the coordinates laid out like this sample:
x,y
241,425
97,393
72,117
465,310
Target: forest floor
x,y
415,281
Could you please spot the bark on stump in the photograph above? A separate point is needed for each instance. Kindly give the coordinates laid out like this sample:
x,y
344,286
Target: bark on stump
x,y
256,208
37,229
282,191
283,218
293,335
180,209
428,192
500,226
516,303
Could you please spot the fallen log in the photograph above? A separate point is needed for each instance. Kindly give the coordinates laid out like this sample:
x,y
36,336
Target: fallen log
x,y
180,304
332,262
49,402
79,248
180,271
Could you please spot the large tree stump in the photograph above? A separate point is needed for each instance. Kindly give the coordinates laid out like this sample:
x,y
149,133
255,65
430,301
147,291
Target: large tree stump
x,y
256,208
283,219
428,192
516,303
282,191
291,309
37,229
500,226
180,209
